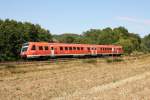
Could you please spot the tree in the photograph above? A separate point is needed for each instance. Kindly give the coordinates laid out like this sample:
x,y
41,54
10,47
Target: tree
x,y
67,37
121,36
92,36
145,45
13,34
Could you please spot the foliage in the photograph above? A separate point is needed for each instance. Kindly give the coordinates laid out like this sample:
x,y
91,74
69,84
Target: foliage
x,y
66,38
145,45
114,60
118,36
13,34
90,61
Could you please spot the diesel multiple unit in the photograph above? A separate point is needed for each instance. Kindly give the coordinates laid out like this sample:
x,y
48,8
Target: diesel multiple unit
x,y
45,49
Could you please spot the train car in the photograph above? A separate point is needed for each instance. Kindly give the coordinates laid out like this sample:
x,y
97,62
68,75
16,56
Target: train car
x,y
45,49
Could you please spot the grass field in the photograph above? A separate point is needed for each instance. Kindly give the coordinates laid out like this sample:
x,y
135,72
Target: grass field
x,y
77,80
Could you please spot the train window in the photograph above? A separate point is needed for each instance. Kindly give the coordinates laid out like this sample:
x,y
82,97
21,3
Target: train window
x,y
61,48
40,48
81,48
46,47
88,48
74,48
33,47
78,48
70,48
66,48
24,49
52,48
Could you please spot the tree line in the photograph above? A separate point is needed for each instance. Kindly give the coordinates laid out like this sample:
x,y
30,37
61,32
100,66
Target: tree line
x,y
118,36
13,34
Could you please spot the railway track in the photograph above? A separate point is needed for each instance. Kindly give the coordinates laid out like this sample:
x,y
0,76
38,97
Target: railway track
x,y
34,66
37,61
53,61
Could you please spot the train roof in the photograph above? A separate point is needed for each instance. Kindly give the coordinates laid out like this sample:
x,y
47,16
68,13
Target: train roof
x,y
84,44
67,44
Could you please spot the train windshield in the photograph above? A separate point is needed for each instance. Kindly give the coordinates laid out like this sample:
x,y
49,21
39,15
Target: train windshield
x,y
25,44
24,47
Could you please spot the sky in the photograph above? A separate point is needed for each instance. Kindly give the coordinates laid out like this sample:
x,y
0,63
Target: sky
x,y
78,16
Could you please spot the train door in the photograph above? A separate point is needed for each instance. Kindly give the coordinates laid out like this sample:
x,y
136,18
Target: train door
x,y
117,50
113,50
52,51
93,51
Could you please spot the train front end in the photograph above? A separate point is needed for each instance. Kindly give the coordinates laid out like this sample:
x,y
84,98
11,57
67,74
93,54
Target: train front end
x,y
24,50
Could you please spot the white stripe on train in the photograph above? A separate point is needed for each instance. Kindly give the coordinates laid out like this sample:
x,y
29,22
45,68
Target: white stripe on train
x,y
55,55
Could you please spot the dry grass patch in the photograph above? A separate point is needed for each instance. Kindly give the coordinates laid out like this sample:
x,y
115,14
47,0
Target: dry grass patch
x,y
62,79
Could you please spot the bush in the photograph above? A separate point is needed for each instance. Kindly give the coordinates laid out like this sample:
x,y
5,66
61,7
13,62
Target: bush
x,y
114,60
91,61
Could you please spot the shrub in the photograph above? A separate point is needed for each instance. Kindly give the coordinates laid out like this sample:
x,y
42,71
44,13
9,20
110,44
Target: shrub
x,y
114,60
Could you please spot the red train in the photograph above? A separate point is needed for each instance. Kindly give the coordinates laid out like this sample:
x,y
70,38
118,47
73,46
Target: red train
x,y
45,49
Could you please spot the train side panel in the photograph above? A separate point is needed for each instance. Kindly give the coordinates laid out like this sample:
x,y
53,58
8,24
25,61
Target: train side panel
x,y
43,49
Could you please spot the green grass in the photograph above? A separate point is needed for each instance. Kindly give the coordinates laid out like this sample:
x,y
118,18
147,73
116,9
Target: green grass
x,y
10,66
114,60
90,61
